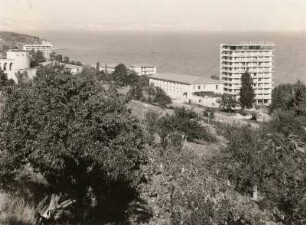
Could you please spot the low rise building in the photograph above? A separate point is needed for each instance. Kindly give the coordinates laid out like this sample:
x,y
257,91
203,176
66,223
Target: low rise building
x,y
187,88
143,69
73,69
15,62
108,67
46,47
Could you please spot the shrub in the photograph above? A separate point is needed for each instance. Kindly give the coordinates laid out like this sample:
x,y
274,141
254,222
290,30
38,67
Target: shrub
x,y
14,210
187,123
210,113
80,137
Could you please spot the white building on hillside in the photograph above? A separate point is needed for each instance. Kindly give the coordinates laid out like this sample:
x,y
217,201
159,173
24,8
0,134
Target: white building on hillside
x,y
257,59
73,69
108,67
143,69
183,88
46,47
16,61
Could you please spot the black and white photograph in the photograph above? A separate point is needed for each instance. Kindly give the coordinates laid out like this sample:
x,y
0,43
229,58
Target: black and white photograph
x,y
152,112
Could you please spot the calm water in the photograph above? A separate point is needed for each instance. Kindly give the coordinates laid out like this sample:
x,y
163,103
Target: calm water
x,y
189,53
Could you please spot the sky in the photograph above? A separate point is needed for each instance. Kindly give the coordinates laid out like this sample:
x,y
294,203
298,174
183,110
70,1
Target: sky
x,y
153,15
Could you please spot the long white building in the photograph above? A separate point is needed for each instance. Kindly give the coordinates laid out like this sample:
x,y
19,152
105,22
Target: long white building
x,y
254,57
183,87
46,47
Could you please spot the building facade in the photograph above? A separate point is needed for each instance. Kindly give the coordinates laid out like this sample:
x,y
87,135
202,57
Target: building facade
x,y
184,88
16,61
256,58
73,69
45,47
107,68
143,69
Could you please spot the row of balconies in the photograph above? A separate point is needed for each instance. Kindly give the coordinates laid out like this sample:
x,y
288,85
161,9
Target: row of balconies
x,y
250,64
241,71
238,76
246,60
244,53
238,86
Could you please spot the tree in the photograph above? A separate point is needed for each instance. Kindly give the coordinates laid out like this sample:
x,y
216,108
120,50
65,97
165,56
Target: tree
x,y
59,58
4,81
52,55
266,162
185,122
157,95
80,137
290,97
135,92
246,91
37,58
66,59
298,102
227,102
282,96
161,97
120,75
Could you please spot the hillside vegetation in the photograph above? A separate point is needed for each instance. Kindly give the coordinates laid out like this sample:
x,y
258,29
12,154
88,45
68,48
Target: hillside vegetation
x,y
15,40
126,157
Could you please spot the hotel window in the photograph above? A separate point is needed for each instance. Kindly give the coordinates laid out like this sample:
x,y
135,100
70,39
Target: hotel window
x,y
217,87
199,87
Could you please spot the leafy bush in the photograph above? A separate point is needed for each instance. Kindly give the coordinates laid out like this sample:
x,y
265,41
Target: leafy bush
x,y
227,102
209,112
187,123
14,210
188,193
272,164
80,137
289,97
158,96
287,123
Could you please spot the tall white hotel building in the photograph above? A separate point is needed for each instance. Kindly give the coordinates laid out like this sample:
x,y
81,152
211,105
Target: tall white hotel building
x,y
254,57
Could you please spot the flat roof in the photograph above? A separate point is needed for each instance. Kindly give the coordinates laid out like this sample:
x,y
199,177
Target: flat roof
x,y
186,79
248,43
142,65
66,65
109,65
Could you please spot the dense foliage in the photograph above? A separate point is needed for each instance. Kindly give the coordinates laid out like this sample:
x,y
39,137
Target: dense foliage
x,y
289,97
4,81
270,164
182,190
122,76
158,96
79,136
37,57
183,124
246,91
227,102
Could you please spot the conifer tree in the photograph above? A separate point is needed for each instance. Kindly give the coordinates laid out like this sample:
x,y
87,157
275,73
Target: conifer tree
x,y
246,91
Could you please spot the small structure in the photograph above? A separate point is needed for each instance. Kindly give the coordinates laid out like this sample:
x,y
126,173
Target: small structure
x,y
46,47
15,62
188,88
108,67
73,69
143,69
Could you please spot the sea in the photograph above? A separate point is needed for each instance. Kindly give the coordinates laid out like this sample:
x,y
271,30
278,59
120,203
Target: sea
x,y
190,53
